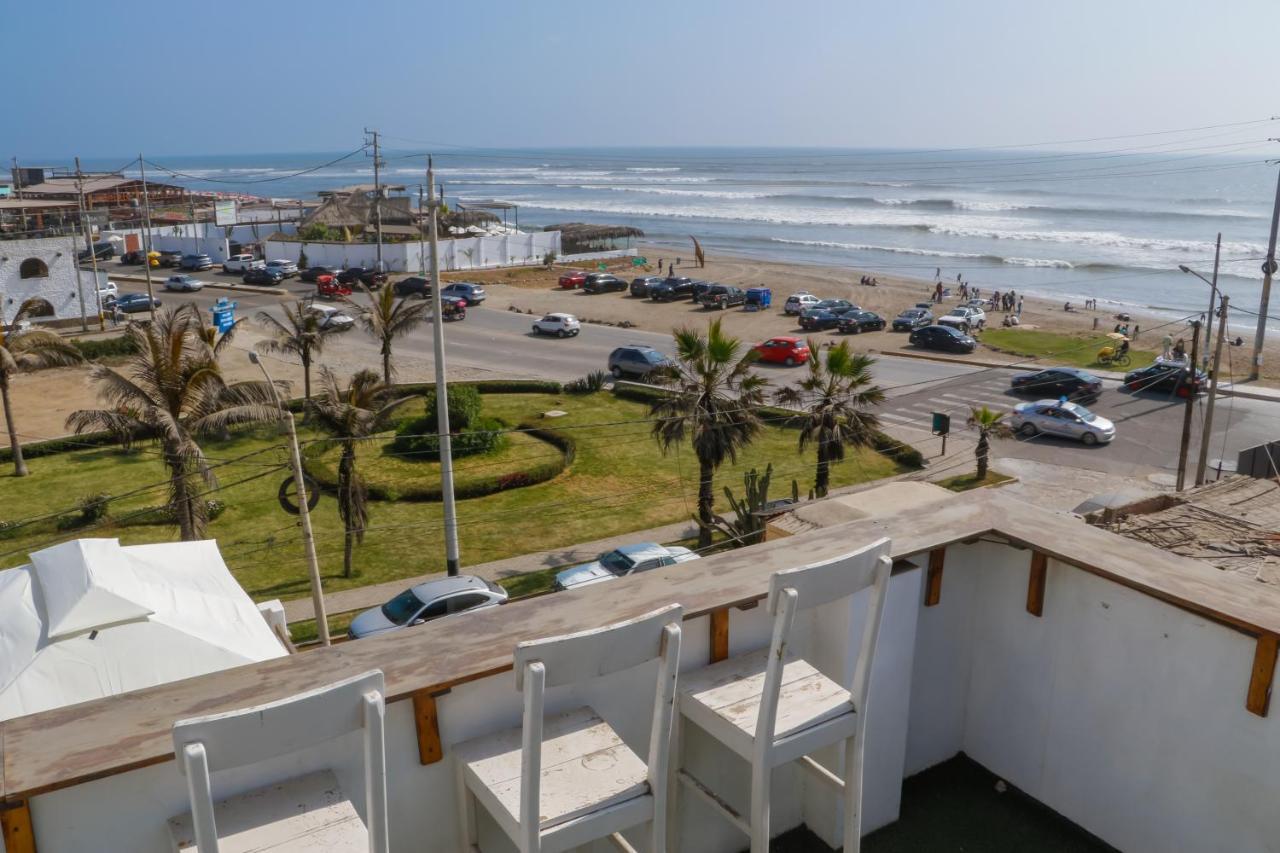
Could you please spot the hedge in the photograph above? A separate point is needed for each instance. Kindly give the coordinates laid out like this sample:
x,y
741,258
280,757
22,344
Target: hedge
x,y
36,449
417,438
94,348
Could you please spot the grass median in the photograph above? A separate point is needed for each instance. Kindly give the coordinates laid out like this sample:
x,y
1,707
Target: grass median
x,y
1070,349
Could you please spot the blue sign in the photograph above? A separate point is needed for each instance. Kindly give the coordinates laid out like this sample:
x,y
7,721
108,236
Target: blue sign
x,y
224,314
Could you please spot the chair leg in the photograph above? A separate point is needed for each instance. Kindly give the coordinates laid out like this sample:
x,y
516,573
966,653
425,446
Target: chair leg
x,y
467,814
666,831
852,794
760,778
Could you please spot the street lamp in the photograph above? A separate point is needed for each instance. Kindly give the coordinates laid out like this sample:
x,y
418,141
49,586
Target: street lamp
x,y
1213,295
304,513
1206,432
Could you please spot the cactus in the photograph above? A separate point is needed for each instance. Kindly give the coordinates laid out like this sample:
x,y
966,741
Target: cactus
x,y
746,527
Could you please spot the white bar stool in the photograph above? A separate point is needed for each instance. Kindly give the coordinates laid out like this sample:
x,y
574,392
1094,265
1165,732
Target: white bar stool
x,y
559,783
773,708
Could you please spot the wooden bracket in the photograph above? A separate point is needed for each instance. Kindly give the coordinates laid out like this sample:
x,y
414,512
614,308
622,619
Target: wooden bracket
x,y
15,827
719,634
1035,583
427,722
1264,670
933,577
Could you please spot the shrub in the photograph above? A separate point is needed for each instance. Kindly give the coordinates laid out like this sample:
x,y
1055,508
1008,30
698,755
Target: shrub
x,y
303,261
95,348
589,384
36,449
164,514
904,454
417,438
464,407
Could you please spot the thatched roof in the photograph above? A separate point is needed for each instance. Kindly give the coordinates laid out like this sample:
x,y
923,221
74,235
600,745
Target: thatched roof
x,y
582,231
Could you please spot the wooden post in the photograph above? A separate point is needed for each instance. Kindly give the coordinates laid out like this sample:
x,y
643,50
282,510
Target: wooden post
x,y
933,579
1264,670
1035,584
427,723
15,827
719,634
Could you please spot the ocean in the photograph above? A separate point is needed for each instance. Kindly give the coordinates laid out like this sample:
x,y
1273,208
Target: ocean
x,y
1113,225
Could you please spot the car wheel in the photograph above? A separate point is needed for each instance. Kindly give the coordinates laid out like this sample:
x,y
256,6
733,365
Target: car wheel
x,y
616,371
1028,429
790,362
559,333
857,330
1089,439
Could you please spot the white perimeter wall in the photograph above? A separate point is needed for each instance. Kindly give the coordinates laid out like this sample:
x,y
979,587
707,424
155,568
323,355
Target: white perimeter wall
x,y
455,254
205,237
61,288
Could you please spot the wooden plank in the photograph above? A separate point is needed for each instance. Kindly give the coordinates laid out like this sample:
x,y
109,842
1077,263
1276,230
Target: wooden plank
x,y
1264,670
16,829
933,579
1035,583
719,634
426,721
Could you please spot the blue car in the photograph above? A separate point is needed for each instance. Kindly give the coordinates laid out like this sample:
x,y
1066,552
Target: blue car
x,y
132,303
473,293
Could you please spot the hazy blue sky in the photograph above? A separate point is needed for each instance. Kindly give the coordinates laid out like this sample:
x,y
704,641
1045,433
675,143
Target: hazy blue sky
x,y
237,77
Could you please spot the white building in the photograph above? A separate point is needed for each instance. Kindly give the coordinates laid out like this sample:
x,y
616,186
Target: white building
x,y
44,268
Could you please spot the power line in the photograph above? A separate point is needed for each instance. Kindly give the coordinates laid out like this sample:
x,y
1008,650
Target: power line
x,y
180,174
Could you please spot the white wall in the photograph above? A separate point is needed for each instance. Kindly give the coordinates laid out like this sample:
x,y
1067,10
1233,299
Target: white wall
x,y
61,289
455,255
205,237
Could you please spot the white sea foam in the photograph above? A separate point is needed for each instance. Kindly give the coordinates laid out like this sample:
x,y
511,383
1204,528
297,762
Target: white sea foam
x,y
1039,262
653,168
899,250
686,193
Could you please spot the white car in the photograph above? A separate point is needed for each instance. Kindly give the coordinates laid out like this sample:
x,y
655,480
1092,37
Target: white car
x,y
183,283
560,325
285,268
620,562
108,291
964,318
330,317
798,303
1062,419
242,264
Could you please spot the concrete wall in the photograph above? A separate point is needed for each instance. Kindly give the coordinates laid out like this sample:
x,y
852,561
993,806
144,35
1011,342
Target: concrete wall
x,y
205,237
455,255
61,288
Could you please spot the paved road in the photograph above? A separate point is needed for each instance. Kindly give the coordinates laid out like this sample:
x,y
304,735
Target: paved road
x,y
1148,424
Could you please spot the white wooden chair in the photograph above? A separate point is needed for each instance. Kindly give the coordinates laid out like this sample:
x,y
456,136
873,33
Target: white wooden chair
x,y
561,782
773,708
306,813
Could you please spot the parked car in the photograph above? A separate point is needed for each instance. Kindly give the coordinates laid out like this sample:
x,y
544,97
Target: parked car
x,y
329,317
135,258
603,283
699,287
797,303
242,263
330,288
964,318
573,279
425,602
196,263
312,274
817,319
470,291
912,318
1058,382
636,360
560,325
943,338
132,303
170,259
722,296
108,291
1173,377
620,562
414,285
370,278
262,275
784,349
640,286
1065,420
183,283
103,251
672,287
287,268
856,322
838,306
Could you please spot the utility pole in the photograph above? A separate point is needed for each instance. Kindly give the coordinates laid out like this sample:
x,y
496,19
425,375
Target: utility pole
x,y
146,238
75,261
1268,270
377,193
1207,433
442,389
191,207
422,249
17,179
1190,407
1213,298
88,242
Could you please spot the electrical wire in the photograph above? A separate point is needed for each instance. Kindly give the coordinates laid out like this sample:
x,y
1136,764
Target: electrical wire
x,y
180,174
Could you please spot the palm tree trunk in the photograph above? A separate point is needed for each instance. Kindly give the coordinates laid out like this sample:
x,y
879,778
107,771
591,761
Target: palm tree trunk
x,y
346,495
705,473
386,362
822,477
347,546
19,464
181,497
981,451
306,375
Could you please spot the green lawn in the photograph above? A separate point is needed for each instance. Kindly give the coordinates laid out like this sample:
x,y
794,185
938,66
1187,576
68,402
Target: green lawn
x,y
619,482
1073,349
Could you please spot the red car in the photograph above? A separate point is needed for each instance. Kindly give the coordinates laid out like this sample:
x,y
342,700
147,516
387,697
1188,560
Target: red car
x,y
572,279
329,288
784,350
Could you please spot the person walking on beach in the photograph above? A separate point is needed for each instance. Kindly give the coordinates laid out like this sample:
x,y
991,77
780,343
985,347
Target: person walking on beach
x,y
1166,345
1018,313
937,293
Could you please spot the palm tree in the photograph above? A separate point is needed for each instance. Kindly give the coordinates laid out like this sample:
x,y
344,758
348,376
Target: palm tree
x,y
836,398
712,397
989,424
387,319
21,352
363,409
174,392
300,334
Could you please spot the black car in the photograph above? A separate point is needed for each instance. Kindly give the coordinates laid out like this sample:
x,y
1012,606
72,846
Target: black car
x,y
943,338
1058,382
636,360
262,276
818,319
102,251
414,285
860,321
640,286
370,278
912,319
313,273
670,288
700,287
132,303
135,258
1165,376
602,282
722,296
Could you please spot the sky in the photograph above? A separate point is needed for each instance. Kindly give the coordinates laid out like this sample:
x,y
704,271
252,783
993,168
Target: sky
x,y
232,77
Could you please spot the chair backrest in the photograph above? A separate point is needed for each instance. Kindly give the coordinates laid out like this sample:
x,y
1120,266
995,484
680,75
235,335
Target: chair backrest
x,y
570,658
235,738
793,590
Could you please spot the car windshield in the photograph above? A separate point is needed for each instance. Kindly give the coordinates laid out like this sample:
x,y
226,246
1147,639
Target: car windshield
x,y
1080,412
402,608
653,357
616,562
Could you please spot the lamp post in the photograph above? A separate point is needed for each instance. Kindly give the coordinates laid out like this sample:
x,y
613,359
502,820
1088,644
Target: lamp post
x,y
1213,294
304,513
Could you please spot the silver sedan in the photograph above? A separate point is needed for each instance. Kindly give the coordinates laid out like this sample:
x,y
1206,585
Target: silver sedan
x,y
1062,419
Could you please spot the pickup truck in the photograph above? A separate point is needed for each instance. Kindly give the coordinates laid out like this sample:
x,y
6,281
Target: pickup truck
x,y
964,318
722,296
242,264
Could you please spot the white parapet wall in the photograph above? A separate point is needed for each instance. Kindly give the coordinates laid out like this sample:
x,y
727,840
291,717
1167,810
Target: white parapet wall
x,y
45,268
459,254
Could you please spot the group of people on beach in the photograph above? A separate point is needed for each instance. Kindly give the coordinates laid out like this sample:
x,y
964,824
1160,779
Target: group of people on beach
x,y
869,281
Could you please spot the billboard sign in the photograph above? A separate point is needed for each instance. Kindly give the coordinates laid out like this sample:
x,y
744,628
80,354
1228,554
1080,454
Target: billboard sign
x,y
224,212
